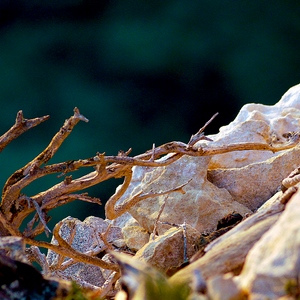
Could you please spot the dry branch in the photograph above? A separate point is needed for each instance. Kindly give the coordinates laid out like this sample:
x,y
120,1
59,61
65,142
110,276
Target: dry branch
x,y
15,207
21,125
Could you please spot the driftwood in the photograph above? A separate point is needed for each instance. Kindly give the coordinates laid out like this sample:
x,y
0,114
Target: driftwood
x,y
16,207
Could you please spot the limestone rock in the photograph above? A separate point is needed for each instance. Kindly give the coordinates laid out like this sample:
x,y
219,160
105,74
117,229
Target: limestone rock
x,y
166,252
135,237
253,184
228,252
202,206
86,240
273,264
258,123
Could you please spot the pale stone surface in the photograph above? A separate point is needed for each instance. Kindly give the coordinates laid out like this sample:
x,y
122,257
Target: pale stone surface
x,y
274,260
258,123
167,251
135,237
253,184
247,178
86,240
201,206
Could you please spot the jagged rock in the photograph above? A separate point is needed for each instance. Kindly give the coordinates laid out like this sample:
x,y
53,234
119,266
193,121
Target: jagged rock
x,y
257,123
239,181
166,252
228,252
86,240
202,206
273,264
135,237
253,184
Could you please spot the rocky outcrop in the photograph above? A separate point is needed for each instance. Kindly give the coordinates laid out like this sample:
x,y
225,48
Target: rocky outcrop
x,y
256,259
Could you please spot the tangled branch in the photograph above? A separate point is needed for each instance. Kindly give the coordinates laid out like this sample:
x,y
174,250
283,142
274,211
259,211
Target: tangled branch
x,y
16,207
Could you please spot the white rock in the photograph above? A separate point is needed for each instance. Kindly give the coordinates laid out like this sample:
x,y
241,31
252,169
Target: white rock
x,y
239,181
202,206
258,123
274,261
254,184
86,240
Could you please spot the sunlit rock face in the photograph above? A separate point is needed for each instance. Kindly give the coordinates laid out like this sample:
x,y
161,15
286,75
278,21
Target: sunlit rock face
x,y
258,123
273,264
237,181
202,205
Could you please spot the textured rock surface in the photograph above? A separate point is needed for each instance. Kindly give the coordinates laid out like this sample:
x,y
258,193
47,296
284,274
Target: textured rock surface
x,y
239,181
274,261
253,184
167,251
228,252
86,240
201,206
135,237
258,123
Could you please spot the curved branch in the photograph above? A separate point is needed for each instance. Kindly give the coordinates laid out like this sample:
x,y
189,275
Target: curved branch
x,y
65,249
21,125
11,190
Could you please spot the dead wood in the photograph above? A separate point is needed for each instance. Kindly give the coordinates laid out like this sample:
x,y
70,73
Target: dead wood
x,y
16,207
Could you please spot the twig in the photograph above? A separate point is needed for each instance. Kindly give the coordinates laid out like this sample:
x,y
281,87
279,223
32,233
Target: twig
x,y
34,254
103,237
65,249
157,219
11,190
21,125
200,134
185,257
115,211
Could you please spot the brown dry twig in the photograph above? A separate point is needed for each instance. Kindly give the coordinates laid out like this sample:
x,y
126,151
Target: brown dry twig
x,y
15,207
21,125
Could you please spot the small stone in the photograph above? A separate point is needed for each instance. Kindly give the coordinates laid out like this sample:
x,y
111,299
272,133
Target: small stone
x,y
135,237
274,261
87,239
166,252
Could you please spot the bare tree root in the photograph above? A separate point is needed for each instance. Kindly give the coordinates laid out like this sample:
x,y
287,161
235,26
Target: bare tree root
x,y
16,207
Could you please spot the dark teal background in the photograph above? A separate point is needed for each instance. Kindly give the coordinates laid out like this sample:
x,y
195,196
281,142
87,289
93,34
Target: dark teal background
x,y
142,72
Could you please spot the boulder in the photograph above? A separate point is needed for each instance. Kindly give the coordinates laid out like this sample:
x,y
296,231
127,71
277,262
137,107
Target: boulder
x,y
272,266
218,185
257,123
83,237
166,252
202,205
